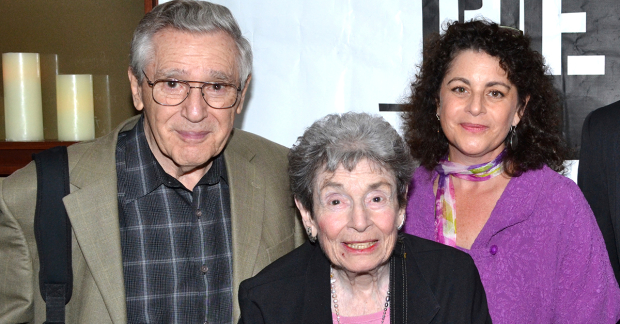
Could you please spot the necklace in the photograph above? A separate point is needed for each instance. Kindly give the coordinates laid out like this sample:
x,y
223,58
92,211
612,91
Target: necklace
x,y
332,281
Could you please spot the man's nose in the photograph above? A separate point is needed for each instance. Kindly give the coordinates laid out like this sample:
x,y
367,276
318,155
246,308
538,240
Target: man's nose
x,y
195,108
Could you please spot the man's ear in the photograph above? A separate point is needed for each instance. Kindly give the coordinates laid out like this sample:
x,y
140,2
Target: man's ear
x,y
136,91
242,99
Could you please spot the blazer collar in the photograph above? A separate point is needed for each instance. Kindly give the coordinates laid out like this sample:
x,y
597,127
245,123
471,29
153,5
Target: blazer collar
x,y
92,208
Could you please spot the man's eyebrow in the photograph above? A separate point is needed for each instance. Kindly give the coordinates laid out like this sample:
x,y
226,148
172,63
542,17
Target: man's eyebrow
x,y
170,74
219,75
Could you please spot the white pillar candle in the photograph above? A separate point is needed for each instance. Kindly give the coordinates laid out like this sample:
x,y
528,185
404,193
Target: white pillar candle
x,y
23,113
74,104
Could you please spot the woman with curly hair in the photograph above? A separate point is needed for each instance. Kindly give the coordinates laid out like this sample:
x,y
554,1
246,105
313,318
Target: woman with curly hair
x,y
484,122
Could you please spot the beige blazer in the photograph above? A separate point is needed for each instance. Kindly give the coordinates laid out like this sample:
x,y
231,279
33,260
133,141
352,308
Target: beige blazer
x,y
264,223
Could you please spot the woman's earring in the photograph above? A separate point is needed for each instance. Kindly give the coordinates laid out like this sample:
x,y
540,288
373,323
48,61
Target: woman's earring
x,y
401,224
513,138
437,115
310,237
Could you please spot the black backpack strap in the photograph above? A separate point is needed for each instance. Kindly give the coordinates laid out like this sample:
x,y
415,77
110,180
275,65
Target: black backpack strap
x,y
52,230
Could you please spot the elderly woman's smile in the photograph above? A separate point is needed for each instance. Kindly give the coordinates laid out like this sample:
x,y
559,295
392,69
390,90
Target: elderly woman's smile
x,y
360,246
356,214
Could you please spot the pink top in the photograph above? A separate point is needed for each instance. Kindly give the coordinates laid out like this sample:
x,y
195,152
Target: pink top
x,y
374,318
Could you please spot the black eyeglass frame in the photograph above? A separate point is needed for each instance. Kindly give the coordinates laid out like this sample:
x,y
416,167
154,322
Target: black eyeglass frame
x,y
202,94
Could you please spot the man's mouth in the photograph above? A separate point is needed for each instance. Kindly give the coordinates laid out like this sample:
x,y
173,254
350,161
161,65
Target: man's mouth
x,y
193,135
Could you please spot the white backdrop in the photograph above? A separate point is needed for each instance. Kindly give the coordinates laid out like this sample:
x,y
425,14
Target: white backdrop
x,y
312,58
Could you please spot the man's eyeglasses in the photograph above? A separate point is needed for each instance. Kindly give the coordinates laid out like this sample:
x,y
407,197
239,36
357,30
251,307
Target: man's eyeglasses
x,y
171,92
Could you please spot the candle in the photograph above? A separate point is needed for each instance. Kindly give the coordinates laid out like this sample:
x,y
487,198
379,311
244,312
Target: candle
x,y
74,104
23,113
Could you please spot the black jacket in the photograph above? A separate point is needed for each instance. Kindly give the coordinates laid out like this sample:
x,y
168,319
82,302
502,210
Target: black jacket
x,y
429,282
599,174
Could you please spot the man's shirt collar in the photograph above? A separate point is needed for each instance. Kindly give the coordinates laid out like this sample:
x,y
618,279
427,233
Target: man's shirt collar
x,y
140,163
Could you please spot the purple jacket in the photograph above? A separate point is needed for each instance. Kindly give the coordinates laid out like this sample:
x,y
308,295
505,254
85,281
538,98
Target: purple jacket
x,y
541,255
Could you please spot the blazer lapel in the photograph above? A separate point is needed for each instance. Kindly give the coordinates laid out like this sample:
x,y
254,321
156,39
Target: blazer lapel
x,y
422,304
317,297
92,208
98,236
247,201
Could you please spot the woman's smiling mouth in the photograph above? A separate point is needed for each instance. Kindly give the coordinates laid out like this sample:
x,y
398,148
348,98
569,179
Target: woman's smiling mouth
x,y
475,128
361,246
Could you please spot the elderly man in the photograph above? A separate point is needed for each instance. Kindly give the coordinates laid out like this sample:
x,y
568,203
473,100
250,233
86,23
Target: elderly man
x,y
173,209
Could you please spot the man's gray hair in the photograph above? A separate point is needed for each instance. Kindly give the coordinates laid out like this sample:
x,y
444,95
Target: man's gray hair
x,y
345,140
189,16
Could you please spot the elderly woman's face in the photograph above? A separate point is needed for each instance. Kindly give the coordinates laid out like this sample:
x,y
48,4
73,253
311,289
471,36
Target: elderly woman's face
x,y
356,215
477,106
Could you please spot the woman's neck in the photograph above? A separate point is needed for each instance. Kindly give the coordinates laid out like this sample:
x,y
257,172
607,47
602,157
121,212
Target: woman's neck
x,y
361,293
457,156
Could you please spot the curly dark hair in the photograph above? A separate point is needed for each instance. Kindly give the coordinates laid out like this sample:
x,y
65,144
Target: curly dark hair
x,y
539,132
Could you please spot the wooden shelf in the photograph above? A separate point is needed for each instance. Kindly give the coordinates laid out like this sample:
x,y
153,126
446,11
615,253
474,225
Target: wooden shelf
x,y
15,155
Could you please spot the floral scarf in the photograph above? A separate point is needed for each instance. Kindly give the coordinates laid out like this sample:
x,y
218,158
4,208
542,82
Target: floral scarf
x,y
445,212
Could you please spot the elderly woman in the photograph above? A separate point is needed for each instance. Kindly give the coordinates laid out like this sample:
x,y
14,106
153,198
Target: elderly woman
x,y
349,175
484,122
